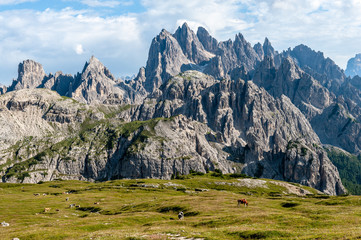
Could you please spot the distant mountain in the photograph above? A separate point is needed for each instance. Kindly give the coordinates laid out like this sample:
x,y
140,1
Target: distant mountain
x,y
199,104
94,85
354,66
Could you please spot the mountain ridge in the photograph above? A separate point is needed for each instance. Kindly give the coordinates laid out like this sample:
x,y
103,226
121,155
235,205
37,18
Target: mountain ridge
x,y
227,105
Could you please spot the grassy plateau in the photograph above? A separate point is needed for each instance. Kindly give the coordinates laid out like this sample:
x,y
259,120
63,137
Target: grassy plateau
x,y
148,208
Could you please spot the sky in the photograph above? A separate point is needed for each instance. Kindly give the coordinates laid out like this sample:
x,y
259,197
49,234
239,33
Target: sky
x,y
63,34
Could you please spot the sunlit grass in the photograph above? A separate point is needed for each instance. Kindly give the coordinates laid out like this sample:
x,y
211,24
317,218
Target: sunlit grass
x,y
148,209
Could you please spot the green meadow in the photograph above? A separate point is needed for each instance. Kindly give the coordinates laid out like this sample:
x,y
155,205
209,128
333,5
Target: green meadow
x,y
148,209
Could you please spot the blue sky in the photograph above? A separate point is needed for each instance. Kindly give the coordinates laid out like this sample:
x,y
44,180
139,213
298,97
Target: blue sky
x,y
63,34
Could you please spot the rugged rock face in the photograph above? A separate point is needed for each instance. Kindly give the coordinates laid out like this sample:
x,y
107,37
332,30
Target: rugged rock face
x,y
171,54
259,131
30,75
61,83
304,91
238,53
37,113
2,89
250,132
339,127
209,43
165,60
191,46
354,66
268,50
314,63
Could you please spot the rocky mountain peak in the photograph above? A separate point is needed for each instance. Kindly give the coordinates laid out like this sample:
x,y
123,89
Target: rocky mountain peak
x,y
314,63
209,43
354,66
190,44
246,55
165,59
267,48
30,75
96,84
95,67
163,34
258,48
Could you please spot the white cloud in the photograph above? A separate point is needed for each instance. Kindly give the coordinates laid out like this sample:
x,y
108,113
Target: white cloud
x,y
14,2
331,26
58,40
79,49
98,3
221,18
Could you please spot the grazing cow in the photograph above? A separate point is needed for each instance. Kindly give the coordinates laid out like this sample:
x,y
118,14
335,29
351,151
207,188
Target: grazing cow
x,y
96,203
67,199
242,201
72,205
180,215
47,209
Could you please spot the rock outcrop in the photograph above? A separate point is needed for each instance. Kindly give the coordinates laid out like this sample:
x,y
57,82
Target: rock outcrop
x,y
354,66
191,46
30,75
3,89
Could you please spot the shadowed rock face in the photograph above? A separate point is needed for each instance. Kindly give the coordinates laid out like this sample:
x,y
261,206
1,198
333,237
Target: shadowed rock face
x,y
314,63
354,66
209,43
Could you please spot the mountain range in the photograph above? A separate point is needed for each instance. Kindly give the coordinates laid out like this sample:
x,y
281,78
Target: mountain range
x,y
198,105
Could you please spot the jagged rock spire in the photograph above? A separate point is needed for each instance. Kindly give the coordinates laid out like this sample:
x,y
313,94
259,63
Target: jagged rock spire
x,y
209,43
30,75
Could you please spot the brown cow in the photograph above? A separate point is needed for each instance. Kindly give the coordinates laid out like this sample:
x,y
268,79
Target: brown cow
x,y
242,201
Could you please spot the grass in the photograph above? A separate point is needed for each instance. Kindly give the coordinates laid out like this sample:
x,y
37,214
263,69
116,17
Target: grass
x,y
128,209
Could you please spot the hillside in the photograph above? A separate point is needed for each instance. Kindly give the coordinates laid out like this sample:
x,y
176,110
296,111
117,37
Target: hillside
x,y
148,208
